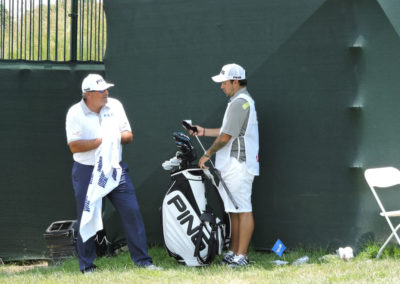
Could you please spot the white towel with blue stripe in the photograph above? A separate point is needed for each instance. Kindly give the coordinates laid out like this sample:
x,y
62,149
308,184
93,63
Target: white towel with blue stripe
x,y
105,177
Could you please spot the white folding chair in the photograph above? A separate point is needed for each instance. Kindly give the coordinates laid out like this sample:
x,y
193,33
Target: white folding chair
x,y
377,179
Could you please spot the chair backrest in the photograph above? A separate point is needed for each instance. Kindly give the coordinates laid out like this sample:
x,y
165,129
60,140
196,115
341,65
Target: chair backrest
x,y
382,177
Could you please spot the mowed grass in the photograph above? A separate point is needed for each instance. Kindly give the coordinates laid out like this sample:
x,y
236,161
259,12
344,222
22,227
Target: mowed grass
x,y
322,268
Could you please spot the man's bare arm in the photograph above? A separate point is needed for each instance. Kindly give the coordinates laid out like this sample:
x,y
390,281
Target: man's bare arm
x,y
84,145
202,131
87,145
126,137
219,143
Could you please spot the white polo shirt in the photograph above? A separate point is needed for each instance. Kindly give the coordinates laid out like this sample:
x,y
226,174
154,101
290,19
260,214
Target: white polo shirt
x,y
83,124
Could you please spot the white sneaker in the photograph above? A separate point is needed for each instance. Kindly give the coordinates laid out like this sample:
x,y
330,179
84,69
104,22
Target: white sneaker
x,y
153,267
228,257
239,261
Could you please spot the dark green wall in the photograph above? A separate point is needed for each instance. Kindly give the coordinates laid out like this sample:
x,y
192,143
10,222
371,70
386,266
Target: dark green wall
x,y
324,78
35,160
312,85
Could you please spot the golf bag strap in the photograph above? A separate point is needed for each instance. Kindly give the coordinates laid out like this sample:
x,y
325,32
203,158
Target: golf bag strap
x,y
226,217
211,178
212,245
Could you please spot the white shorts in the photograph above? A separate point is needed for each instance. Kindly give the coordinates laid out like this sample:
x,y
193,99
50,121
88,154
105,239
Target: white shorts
x,y
239,182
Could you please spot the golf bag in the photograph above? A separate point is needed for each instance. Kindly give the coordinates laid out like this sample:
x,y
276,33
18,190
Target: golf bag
x,y
192,232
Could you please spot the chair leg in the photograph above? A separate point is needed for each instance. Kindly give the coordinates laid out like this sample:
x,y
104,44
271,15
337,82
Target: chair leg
x,y
388,240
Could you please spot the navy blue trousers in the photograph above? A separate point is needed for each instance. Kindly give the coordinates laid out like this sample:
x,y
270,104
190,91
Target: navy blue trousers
x,y
124,200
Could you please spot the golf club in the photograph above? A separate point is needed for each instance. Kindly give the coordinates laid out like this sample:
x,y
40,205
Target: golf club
x,y
187,126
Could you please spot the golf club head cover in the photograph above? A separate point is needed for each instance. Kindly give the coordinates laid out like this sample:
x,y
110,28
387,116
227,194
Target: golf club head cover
x,y
179,136
185,146
182,147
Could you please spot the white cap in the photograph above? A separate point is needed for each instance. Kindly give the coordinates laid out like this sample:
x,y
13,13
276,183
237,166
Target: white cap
x,y
94,82
230,72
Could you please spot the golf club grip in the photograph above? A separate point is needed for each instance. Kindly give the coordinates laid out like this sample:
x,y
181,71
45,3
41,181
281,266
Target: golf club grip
x,y
189,127
226,188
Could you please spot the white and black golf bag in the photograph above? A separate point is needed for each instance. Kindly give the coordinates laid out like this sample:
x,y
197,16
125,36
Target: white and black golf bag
x,y
193,234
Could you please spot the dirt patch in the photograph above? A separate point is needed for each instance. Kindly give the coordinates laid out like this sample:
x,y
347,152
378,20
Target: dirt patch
x,y
15,268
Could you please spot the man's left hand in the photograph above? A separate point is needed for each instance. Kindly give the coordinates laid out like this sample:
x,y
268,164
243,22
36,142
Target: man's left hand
x,y
202,161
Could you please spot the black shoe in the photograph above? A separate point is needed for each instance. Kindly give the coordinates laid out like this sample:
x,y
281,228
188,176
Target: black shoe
x,y
89,269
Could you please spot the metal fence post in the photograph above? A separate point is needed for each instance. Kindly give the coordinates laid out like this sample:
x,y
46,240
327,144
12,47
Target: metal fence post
x,y
74,29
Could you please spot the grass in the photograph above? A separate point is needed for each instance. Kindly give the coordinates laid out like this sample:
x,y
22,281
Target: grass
x,y
364,268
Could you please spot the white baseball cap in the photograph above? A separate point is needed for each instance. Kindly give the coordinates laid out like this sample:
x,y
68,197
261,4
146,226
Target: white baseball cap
x,y
94,82
230,72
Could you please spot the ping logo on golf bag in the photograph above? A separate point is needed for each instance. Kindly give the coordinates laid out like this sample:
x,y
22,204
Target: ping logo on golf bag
x,y
187,217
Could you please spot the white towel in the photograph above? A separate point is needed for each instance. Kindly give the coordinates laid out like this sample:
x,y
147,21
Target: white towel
x,y
105,177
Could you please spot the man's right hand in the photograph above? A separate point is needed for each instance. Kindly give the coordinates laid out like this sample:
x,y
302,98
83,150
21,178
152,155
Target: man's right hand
x,y
200,131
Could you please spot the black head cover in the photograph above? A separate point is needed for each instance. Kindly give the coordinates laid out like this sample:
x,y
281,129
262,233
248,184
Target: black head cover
x,y
185,146
180,137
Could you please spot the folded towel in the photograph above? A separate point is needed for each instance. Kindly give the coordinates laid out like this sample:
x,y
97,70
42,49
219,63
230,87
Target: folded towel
x,y
105,177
